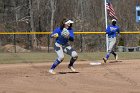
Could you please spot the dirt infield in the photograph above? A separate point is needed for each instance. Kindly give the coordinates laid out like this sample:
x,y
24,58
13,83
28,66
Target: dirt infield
x,y
113,77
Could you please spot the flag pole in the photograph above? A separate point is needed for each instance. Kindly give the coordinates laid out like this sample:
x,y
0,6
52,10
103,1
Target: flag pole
x,y
106,24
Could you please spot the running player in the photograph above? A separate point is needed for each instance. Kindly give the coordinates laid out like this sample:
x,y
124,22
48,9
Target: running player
x,y
112,31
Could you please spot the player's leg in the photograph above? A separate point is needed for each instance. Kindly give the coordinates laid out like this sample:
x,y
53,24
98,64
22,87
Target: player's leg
x,y
111,42
115,55
70,51
59,51
108,52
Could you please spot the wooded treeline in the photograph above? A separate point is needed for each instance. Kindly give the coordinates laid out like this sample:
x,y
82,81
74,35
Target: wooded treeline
x,y
45,15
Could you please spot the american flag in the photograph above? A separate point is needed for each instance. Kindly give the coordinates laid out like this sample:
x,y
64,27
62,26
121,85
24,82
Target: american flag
x,y
110,10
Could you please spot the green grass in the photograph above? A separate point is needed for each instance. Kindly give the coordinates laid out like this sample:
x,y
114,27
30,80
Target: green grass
x,y
10,58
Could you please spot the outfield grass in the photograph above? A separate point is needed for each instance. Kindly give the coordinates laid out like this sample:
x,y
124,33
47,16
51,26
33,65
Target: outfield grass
x,y
10,58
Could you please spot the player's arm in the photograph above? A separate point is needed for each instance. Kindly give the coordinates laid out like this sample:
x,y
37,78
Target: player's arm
x,y
71,36
108,30
55,33
118,31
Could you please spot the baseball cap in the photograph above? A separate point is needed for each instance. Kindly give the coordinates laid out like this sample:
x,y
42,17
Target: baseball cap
x,y
114,20
69,22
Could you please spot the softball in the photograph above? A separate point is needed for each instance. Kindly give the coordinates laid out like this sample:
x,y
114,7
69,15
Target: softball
x,y
55,35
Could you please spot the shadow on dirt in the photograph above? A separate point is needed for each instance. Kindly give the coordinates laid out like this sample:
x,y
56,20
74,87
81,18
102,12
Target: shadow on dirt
x,y
68,72
114,61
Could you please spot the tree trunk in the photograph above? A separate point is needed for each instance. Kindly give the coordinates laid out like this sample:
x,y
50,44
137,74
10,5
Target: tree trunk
x,y
53,9
34,39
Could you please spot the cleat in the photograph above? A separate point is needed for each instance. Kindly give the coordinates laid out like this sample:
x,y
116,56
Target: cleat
x,y
71,68
51,71
105,60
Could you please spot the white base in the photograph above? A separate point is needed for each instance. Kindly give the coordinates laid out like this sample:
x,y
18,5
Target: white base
x,y
95,63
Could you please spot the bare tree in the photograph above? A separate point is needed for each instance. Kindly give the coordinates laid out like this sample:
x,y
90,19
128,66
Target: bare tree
x,y
32,24
44,15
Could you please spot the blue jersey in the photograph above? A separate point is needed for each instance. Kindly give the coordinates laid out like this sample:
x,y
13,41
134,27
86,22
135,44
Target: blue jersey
x,y
62,40
112,30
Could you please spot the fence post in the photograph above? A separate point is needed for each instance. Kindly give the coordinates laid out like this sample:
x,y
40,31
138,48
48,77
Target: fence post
x,y
15,43
81,36
48,43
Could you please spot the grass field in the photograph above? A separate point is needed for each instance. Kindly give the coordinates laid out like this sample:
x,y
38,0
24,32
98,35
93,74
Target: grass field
x,y
10,58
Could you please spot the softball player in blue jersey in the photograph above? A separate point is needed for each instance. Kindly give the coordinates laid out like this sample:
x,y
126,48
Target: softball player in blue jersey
x,y
63,35
112,31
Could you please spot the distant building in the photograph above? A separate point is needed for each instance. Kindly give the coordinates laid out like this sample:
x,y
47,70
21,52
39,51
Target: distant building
x,y
138,14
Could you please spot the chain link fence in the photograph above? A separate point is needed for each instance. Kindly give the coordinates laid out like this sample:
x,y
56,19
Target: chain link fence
x,y
83,43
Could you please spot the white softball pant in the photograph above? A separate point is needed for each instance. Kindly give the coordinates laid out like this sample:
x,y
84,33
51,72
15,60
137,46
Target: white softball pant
x,y
60,50
111,43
